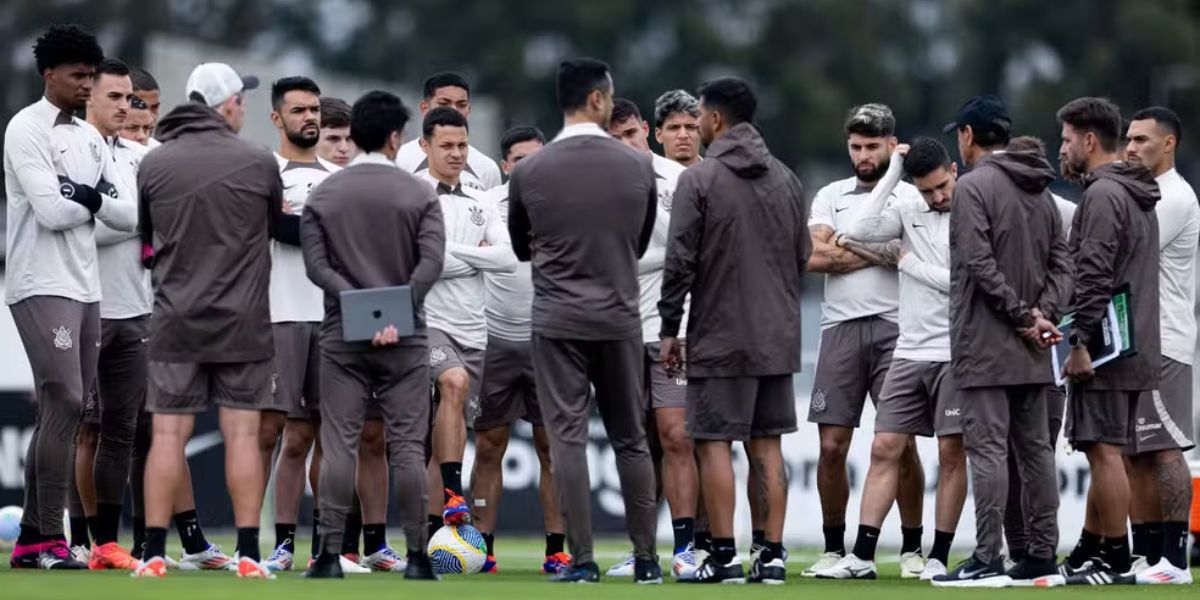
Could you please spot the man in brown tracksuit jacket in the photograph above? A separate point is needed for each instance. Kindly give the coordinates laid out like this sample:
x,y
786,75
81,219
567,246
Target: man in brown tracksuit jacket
x,y
1010,274
738,244
340,254
1114,241
583,210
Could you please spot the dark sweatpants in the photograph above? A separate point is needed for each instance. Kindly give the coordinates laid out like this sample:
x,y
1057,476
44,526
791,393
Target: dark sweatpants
x,y
397,378
124,356
564,369
990,417
61,339
1015,533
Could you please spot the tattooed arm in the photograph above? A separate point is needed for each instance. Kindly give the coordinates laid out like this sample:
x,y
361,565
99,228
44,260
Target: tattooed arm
x,y
829,258
883,254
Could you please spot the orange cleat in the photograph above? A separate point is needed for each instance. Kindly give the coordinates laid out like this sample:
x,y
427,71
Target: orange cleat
x,y
155,567
556,563
112,556
249,568
456,511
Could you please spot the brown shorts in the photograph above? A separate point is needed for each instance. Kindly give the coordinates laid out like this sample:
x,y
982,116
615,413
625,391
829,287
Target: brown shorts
x,y
740,408
663,390
296,381
919,398
852,362
189,388
1102,416
447,353
508,391
1164,416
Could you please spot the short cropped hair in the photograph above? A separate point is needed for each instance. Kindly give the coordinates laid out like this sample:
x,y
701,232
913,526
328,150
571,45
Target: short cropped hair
x,y
143,81
335,113
281,87
443,116
924,156
577,78
623,108
1163,117
730,96
1096,115
517,135
871,120
446,79
374,117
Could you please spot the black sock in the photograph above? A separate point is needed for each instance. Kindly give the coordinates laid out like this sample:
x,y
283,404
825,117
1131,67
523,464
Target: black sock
x,y
315,550
354,527
704,541
187,523
835,538
285,535
374,537
247,543
156,542
554,543
910,539
865,543
1175,543
434,524
1087,549
108,523
30,536
79,532
758,538
1141,539
684,530
452,478
724,551
941,546
490,540
139,537
1155,539
1115,552
771,551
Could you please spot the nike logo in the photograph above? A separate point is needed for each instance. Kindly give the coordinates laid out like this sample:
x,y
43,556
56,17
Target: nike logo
x,y
1142,438
840,209
971,574
916,225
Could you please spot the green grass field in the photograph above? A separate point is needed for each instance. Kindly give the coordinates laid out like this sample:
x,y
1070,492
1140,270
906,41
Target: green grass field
x,y
518,579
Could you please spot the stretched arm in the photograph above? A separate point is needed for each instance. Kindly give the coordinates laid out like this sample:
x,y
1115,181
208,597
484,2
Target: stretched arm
x,y
1060,276
881,219
431,243
972,238
28,152
519,227
1098,234
683,247
316,256
883,254
931,275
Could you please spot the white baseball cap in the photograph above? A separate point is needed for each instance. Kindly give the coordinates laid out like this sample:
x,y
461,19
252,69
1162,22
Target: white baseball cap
x,y
218,82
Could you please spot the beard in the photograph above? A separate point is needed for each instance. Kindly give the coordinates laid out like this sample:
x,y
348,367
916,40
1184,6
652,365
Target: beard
x,y
872,174
1072,169
302,138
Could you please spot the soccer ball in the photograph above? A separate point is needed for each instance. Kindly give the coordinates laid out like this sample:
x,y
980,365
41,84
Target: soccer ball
x,y
10,526
457,550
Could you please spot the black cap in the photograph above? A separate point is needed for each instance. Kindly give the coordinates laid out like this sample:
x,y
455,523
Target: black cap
x,y
982,113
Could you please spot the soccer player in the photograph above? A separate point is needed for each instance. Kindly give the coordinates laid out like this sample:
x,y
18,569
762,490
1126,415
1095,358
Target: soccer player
x,y
59,179
858,333
450,90
508,391
146,88
740,362
1010,275
476,242
209,203
1157,467
391,371
139,122
582,210
667,393
918,396
677,126
335,144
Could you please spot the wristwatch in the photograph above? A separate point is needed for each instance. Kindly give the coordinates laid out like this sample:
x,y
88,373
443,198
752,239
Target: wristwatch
x,y
1076,340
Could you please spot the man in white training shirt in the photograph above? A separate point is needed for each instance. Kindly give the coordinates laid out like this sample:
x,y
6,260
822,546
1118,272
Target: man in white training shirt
x,y
450,90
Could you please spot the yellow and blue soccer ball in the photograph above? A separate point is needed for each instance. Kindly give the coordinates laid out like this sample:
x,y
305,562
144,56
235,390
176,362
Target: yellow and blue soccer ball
x,y
460,550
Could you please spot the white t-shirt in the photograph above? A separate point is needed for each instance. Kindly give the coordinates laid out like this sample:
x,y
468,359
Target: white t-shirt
x,y
1178,235
650,266
509,295
294,298
1066,209
873,291
124,282
481,173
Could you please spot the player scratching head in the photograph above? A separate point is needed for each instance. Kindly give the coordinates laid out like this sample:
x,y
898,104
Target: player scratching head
x,y
932,172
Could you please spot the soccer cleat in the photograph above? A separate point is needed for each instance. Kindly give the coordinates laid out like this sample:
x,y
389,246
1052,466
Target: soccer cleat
x,y
555,563
419,567
646,572
1164,573
155,567
209,559
850,567
248,568
350,567
489,565
773,572
711,572
82,554
975,573
933,568
25,556
1137,565
352,557
825,561
588,572
280,560
623,568
911,565
1030,572
112,556
1009,562
386,559
684,565
172,564
1066,570
1099,573
456,511
57,557
325,567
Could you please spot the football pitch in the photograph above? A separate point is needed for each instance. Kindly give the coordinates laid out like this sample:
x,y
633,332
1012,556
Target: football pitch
x,y
518,579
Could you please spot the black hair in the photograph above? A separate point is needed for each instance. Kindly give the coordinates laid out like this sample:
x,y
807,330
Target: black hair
x,y
730,96
335,112
675,101
623,108
872,120
1098,115
281,87
924,157
65,45
143,81
1163,117
578,78
441,80
442,116
111,66
988,137
1027,143
374,117
518,134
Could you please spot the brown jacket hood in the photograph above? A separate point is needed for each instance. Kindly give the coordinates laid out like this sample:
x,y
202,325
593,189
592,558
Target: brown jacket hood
x,y
1030,171
743,150
191,117
1136,179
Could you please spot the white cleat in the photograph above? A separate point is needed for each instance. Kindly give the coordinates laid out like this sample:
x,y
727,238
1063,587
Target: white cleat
x,y
624,568
82,554
210,559
280,560
1138,565
850,567
826,561
684,565
1164,573
350,567
912,565
933,568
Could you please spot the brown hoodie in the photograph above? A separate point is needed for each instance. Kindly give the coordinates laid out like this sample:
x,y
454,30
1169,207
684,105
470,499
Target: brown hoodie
x,y
739,244
1007,256
1114,241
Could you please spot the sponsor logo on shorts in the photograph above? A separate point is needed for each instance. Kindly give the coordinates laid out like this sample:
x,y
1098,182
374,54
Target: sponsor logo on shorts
x,y
274,383
62,338
681,381
436,356
1142,425
817,405
953,412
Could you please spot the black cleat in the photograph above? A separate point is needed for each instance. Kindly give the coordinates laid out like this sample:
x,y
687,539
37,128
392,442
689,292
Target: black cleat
x,y
711,572
587,572
327,566
975,573
420,568
1099,573
1031,572
771,572
647,572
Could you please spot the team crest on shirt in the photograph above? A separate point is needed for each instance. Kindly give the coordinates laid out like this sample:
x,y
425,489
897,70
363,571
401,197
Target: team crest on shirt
x,y
818,401
436,356
477,216
666,198
62,338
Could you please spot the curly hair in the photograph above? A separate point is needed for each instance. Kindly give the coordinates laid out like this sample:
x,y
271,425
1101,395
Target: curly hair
x,y
675,101
65,45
